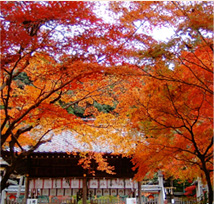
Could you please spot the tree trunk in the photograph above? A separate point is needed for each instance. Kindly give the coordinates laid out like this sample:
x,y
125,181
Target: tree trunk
x,y
208,180
210,188
16,165
8,171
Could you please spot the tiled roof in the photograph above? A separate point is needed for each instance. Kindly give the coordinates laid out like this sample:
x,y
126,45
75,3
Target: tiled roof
x,y
66,142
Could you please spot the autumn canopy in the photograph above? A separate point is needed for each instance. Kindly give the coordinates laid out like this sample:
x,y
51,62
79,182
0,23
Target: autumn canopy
x,y
64,67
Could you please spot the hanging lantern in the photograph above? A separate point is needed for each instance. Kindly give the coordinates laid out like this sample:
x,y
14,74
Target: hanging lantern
x,y
150,196
12,197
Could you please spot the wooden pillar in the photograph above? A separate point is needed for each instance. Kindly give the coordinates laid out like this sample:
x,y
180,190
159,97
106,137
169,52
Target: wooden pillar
x,y
26,188
139,192
84,190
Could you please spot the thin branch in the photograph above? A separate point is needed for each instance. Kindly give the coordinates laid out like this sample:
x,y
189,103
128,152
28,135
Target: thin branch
x,y
207,88
194,63
170,79
176,4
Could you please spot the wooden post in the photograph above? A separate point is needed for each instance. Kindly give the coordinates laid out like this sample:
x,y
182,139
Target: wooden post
x,y
3,197
19,189
26,189
139,192
199,191
161,196
84,190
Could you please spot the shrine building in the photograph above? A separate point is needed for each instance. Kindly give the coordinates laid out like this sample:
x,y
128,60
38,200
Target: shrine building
x,y
54,173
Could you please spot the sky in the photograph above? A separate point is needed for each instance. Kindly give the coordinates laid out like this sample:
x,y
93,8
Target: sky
x,y
159,34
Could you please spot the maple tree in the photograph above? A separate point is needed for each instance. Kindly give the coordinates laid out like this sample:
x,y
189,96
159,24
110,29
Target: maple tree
x,y
173,105
50,63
